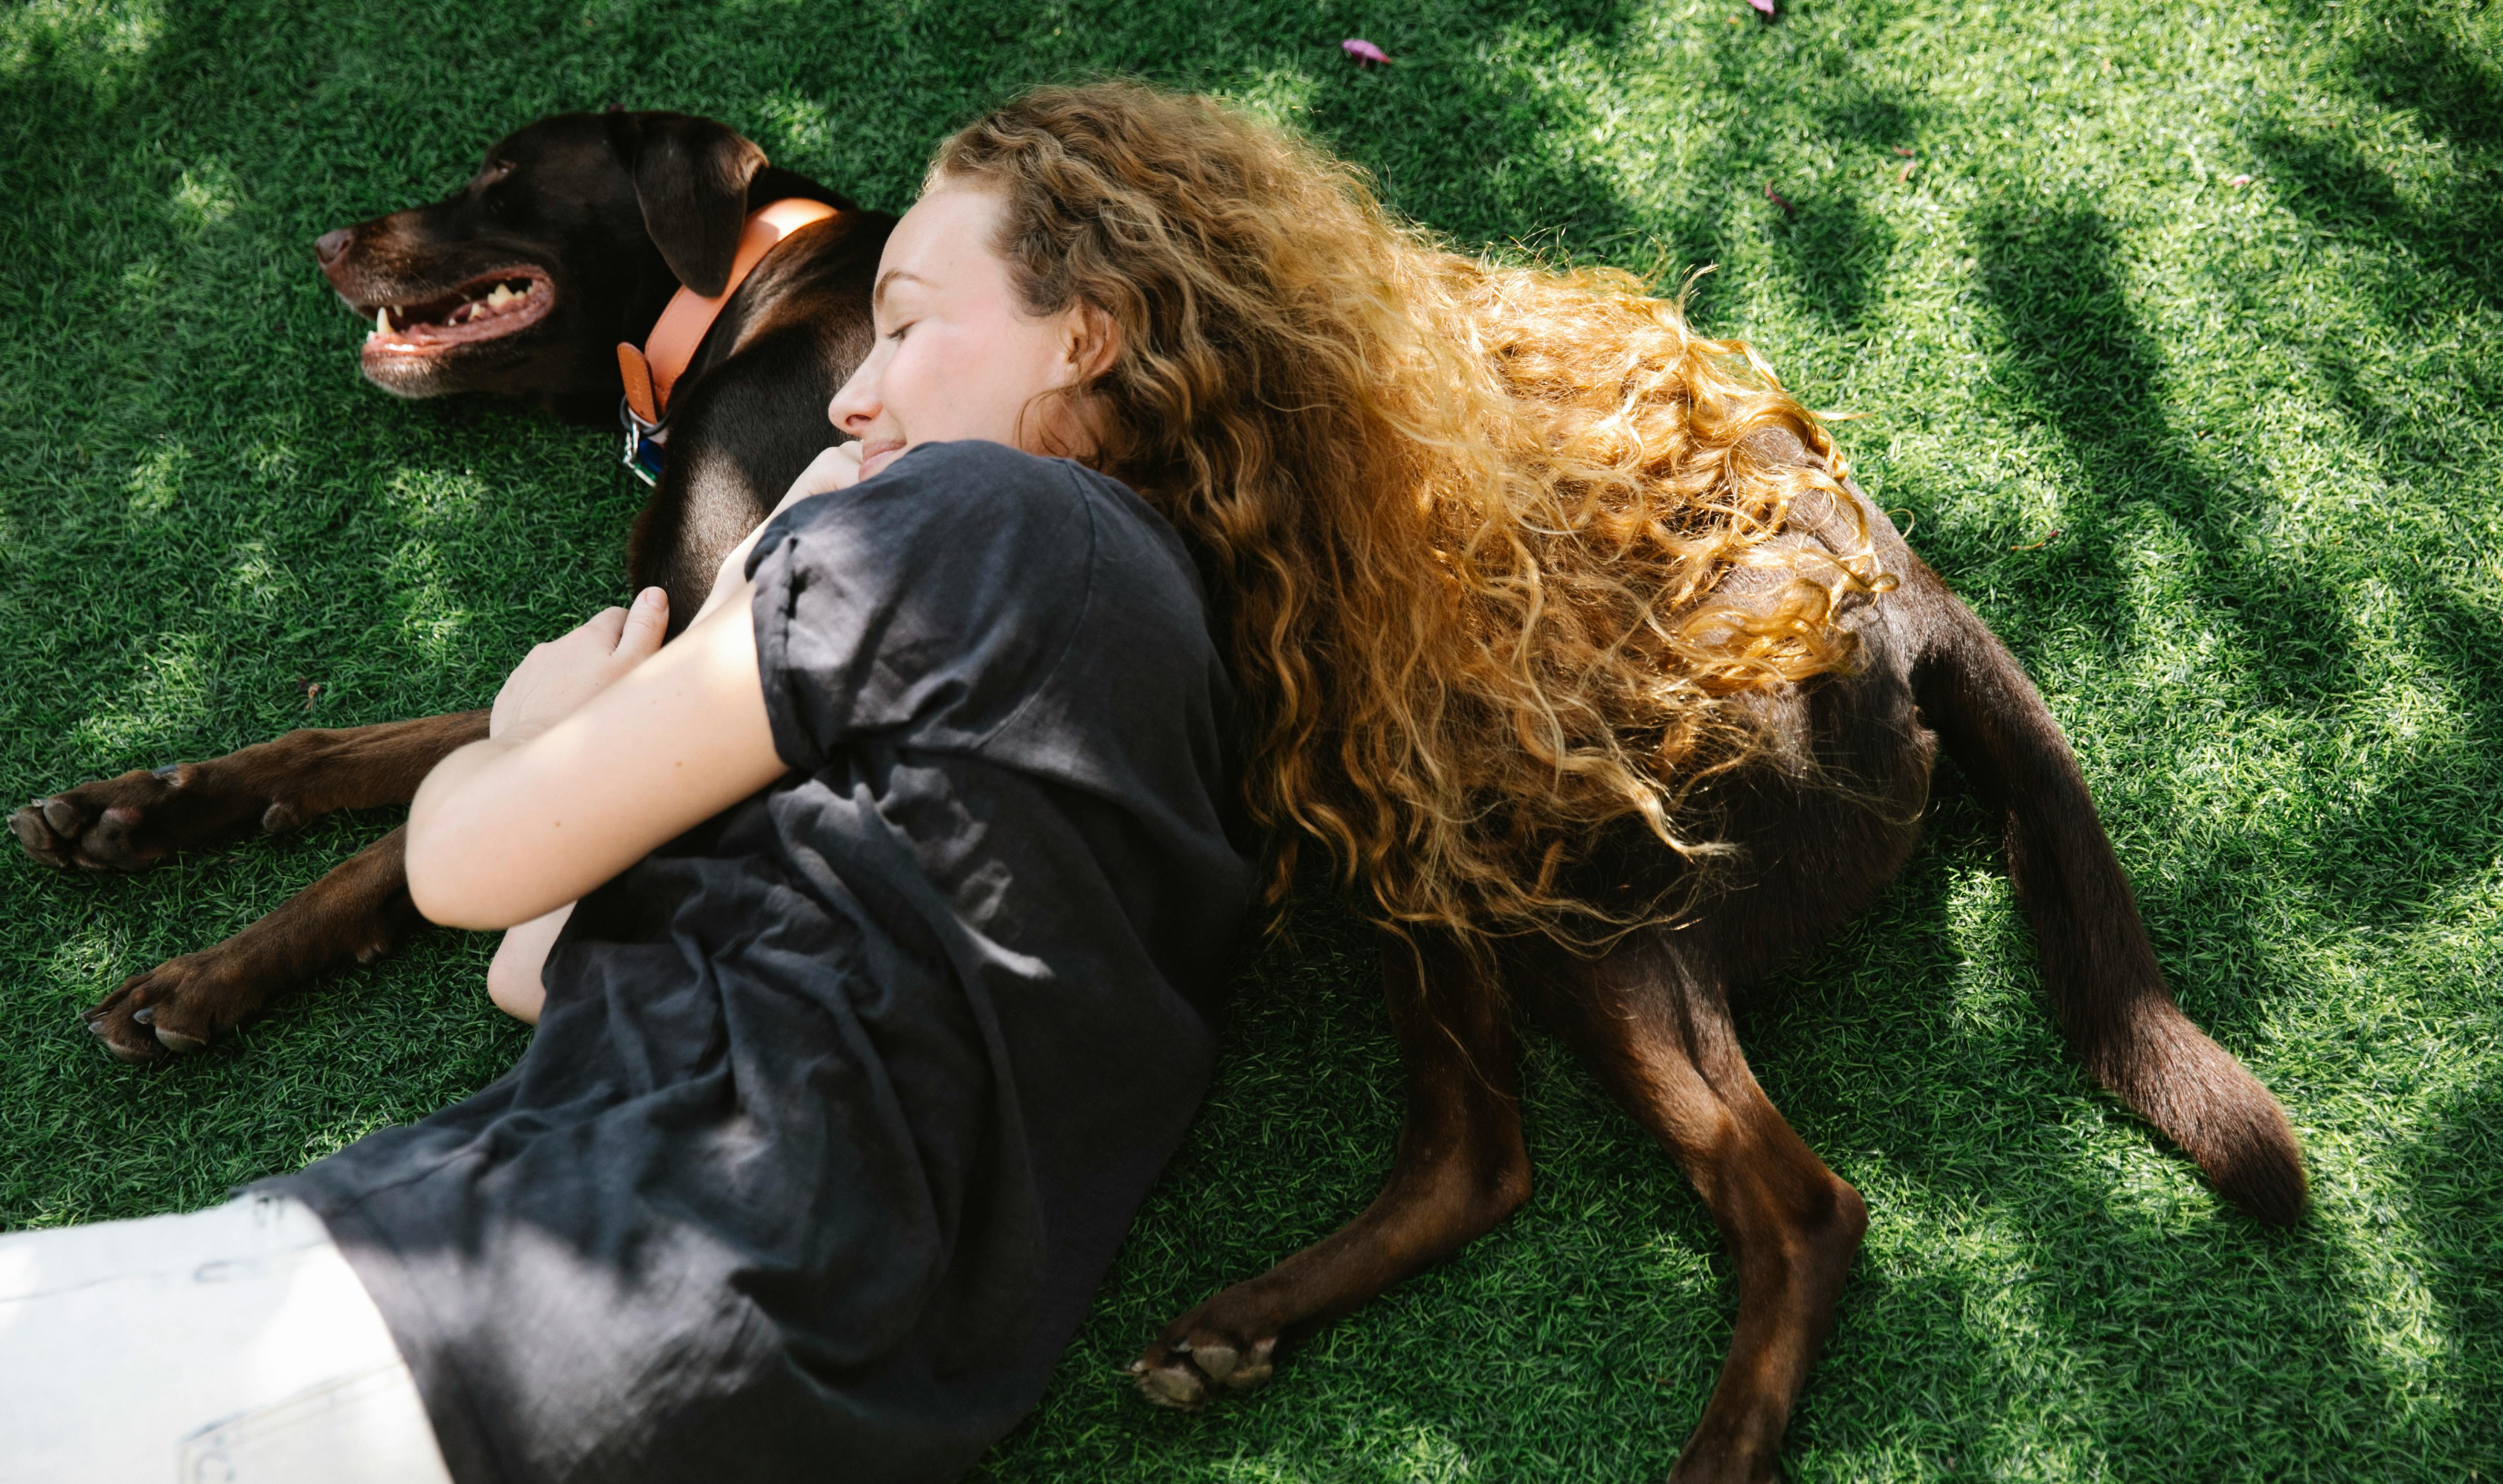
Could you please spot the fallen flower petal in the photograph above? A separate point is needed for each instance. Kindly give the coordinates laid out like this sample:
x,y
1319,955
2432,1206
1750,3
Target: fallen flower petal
x,y
2238,182
1766,6
1775,196
1899,150
1363,50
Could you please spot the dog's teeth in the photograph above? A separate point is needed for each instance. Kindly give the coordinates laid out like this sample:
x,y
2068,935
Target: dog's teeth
x,y
501,297
382,321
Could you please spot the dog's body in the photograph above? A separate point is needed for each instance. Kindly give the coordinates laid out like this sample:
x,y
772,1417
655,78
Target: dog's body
x,y
627,206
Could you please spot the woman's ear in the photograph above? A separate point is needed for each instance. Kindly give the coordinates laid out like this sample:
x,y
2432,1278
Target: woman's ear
x,y
1091,340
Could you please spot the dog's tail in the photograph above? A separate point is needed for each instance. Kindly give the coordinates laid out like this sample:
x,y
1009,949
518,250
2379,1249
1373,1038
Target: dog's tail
x,y
2096,963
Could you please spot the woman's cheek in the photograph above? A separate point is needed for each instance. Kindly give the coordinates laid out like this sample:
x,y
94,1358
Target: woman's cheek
x,y
914,400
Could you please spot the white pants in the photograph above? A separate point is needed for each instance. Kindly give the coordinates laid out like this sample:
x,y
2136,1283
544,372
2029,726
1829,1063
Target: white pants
x,y
229,1346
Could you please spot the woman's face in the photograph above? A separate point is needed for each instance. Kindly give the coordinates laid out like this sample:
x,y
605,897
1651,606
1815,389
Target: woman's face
x,y
957,356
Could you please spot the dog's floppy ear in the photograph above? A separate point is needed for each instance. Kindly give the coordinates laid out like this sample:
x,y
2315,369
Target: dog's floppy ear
x,y
690,179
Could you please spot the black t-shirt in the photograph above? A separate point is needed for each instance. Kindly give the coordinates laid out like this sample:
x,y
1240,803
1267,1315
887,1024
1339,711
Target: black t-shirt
x,y
841,1103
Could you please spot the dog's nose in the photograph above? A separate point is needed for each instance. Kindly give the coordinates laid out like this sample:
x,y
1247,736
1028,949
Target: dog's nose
x,y
329,244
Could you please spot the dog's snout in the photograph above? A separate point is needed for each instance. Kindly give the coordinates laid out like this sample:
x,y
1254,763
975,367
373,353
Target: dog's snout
x,y
330,244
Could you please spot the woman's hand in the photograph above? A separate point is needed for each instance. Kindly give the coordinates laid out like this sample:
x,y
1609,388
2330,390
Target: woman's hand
x,y
509,828
834,469
555,679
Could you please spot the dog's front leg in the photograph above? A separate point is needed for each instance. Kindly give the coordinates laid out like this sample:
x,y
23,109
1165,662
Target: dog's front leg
x,y
134,822
1460,1170
359,911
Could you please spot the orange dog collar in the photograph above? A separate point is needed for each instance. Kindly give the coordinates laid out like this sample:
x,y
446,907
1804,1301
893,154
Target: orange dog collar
x,y
650,372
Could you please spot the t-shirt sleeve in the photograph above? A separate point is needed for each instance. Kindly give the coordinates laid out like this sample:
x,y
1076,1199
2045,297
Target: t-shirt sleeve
x,y
922,608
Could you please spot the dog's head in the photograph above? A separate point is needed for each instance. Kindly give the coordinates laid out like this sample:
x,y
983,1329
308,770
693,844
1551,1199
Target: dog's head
x,y
572,237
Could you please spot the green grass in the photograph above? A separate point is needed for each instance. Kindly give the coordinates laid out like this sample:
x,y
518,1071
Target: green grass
x,y
2220,462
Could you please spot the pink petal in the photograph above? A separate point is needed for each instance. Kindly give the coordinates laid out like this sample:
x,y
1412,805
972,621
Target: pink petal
x,y
1363,50
1775,196
2238,182
1766,6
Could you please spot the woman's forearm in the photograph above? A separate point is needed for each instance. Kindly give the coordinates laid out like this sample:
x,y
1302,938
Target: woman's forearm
x,y
501,832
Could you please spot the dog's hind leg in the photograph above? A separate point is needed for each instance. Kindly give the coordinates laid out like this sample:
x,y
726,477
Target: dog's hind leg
x,y
1461,1169
359,911
2097,964
1652,1021
133,821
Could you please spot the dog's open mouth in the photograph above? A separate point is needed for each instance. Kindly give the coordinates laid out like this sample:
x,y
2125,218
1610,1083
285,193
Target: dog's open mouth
x,y
488,307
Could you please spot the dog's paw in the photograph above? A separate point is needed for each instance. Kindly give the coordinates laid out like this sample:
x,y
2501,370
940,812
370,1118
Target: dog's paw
x,y
132,823
1201,1356
177,1006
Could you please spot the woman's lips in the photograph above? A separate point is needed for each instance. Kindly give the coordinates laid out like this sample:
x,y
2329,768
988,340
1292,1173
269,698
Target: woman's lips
x,y
877,456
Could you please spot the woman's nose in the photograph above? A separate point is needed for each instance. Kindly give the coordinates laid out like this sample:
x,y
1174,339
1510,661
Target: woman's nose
x,y
852,409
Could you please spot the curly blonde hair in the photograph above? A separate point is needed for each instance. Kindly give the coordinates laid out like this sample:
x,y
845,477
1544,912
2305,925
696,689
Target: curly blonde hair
x,y
1467,523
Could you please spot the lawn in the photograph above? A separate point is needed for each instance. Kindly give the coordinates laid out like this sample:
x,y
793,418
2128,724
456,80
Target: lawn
x,y
2173,331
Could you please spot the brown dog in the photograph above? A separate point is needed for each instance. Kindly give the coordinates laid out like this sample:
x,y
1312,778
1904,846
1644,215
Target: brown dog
x,y
585,223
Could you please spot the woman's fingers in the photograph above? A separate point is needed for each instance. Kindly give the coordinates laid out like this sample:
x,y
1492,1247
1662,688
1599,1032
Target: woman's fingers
x,y
640,632
555,679
604,626
834,468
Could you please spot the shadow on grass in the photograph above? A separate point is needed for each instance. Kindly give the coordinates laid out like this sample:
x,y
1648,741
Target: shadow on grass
x,y
2043,1221
2330,185
2416,59
1831,245
2079,364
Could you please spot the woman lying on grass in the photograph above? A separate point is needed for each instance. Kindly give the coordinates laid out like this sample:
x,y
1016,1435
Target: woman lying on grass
x,y
906,902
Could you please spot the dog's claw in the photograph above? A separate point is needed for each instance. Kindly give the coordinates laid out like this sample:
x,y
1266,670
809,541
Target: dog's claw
x,y
1218,1360
1174,1386
1258,1367
34,835
100,1025
1184,1375
64,816
179,1006
135,820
